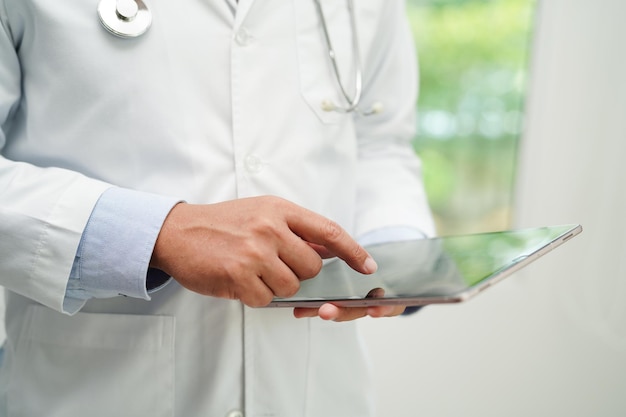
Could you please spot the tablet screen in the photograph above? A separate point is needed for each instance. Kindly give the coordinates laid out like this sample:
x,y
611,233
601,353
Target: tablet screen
x,y
426,271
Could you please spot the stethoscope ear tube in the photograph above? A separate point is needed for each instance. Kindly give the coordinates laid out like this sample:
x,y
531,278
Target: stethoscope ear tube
x,y
354,101
124,18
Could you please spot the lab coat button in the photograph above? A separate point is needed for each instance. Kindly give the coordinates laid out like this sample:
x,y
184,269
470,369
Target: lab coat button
x,y
253,163
243,37
235,413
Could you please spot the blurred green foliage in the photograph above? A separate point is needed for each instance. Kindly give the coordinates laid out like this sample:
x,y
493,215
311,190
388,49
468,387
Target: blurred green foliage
x,y
473,65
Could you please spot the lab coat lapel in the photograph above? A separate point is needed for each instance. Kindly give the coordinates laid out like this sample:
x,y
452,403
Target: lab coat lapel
x,y
232,5
243,9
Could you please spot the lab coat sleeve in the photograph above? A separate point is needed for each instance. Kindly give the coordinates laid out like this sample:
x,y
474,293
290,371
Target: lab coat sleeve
x,y
43,211
390,189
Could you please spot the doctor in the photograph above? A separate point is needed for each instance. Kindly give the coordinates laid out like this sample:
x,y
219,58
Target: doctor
x,y
210,141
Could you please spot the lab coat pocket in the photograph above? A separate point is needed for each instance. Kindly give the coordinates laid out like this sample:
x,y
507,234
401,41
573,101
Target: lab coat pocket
x,y
93,365
318,82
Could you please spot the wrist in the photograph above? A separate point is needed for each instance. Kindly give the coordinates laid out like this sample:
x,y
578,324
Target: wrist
x,y
165,239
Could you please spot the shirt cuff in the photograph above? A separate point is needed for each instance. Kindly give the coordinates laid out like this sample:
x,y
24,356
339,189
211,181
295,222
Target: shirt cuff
x,y
114,253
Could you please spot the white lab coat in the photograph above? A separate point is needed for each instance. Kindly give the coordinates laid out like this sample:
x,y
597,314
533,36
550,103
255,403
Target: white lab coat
x,y
214,102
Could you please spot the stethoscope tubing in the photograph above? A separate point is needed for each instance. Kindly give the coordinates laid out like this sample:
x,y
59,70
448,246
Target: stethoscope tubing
x,y
353,102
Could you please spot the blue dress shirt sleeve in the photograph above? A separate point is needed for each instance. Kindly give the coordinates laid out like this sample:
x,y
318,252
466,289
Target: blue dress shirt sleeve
x,y
116,246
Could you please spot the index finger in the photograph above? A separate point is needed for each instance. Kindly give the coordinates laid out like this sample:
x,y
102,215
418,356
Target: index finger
x,y
319,230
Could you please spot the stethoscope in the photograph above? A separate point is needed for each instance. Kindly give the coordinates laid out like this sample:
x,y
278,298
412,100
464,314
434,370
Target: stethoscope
x,y
352,102
131,18
125,18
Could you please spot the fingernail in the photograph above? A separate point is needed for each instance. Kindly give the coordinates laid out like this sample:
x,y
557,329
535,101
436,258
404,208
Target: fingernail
x,y
370,265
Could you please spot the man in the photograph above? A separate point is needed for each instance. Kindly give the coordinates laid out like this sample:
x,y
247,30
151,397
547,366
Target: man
x,y
204,150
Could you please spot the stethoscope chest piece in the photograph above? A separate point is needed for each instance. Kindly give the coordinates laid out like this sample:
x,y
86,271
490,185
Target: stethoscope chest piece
x,y
124,18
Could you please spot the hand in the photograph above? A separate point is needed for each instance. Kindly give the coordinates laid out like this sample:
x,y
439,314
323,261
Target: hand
x,y
335,313
251,249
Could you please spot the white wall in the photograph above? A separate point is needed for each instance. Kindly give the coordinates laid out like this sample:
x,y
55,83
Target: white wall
x,y
550,341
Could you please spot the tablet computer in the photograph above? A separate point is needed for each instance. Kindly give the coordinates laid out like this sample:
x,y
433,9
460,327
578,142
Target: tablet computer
x,y
430,271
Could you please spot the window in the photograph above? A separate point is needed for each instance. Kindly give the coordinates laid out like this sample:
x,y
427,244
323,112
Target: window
x,y
473,67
